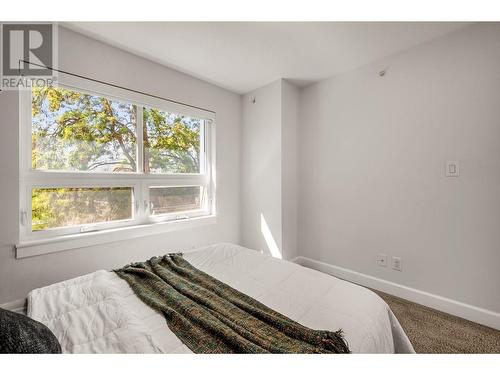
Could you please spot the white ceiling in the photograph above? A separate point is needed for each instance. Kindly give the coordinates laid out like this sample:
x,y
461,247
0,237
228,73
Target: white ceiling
x,y
247,55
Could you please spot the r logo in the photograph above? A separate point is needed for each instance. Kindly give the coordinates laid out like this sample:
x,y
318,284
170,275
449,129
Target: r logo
x,y
27,42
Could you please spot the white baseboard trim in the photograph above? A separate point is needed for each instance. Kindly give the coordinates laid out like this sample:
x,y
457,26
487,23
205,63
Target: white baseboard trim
x,y
18,306
473,313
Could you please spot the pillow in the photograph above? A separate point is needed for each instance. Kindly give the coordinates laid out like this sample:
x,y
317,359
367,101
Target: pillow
x,y
20,334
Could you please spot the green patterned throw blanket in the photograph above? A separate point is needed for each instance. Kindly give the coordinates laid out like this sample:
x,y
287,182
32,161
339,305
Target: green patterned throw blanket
x,y
209,316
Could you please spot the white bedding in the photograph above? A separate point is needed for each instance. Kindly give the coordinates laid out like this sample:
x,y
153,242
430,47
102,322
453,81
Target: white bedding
x,y
99,313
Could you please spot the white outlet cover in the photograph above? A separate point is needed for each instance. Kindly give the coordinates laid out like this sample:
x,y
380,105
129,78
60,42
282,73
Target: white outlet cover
x,y
397,263
382,260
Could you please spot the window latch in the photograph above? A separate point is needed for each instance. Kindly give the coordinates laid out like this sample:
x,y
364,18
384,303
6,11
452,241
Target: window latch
x,y
88,228
24,218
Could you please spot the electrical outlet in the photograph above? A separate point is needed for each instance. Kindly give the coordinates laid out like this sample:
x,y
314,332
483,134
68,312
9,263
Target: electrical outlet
x,y
382,260
397,264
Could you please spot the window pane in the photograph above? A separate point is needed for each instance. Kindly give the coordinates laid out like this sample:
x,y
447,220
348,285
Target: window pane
x,y
166,200
61,207
72,131
171,142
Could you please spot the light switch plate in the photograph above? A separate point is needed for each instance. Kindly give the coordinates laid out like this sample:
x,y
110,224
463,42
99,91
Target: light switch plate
x,y
452,169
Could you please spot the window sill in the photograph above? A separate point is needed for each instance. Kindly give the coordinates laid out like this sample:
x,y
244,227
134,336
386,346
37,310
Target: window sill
x,y
74,241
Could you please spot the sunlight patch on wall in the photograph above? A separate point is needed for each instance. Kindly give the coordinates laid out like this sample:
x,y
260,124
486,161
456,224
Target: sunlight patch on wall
x,y
268,237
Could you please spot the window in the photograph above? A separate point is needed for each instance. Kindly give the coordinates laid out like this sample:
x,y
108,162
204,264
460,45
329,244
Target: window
x,y
63,207
166,200
94,157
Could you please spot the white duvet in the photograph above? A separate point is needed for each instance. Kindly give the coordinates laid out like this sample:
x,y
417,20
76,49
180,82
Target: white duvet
x,y
99,313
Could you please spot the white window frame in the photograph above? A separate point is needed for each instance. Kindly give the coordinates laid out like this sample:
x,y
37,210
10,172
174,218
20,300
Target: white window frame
x,y
139,181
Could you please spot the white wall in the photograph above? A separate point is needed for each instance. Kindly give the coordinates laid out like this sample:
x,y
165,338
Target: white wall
x,y
85,56
261,170
372,155
289,198
269,169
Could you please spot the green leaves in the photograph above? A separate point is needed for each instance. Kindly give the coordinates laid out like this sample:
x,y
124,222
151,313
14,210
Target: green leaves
x,y
59,207
173,142
73,131
67,120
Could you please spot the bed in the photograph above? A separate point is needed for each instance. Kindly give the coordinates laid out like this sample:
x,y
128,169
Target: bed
x,y
99,312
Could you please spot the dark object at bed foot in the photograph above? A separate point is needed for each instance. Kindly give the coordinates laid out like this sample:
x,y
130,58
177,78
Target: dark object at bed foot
x,y
20,334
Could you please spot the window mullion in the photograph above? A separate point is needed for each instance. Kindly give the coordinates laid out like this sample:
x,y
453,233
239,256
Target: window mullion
x,y
140,140
145,201
138,199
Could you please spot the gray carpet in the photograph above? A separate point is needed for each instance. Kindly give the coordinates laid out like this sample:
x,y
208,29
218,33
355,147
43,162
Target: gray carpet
x,y
432,331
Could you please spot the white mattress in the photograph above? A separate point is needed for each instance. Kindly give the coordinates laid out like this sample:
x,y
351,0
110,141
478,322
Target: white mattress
x,y
99,313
